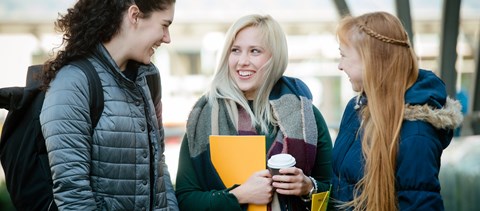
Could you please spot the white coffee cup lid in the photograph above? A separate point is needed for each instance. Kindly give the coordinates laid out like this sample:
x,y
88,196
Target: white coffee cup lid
x,y
279,161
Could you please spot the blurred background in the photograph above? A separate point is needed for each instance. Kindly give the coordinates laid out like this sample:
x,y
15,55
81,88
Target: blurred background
x,y
445,35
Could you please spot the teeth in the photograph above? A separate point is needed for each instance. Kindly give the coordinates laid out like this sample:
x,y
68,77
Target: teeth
x,y
245,73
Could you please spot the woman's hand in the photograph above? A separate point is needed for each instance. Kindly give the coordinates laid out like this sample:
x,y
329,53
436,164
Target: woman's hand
x,y
256,190
292,181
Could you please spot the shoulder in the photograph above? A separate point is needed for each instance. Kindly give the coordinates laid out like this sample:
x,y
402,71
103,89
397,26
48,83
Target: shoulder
x,y
322,127
69,87
290,85
420,134
201,102
420,143
350,110
198,109
318,116
70,75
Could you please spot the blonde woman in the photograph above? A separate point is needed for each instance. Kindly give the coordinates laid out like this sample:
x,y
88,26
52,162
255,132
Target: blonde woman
x,y
387,153
249,95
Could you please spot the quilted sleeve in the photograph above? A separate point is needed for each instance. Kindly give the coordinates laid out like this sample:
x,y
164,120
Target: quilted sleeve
x,y
66,126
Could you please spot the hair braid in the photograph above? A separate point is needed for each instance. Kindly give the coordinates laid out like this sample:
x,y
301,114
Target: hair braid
x,y
383,38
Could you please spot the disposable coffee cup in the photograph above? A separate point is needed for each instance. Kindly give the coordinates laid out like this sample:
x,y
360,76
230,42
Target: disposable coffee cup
x,y
280,161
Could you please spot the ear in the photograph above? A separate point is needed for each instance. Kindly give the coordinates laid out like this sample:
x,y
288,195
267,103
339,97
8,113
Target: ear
x,y
133,14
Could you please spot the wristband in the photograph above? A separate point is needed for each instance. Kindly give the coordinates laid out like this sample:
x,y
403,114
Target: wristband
x,y
312,191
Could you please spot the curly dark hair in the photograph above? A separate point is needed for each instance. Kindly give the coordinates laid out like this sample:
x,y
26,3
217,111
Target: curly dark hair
x,y
88,23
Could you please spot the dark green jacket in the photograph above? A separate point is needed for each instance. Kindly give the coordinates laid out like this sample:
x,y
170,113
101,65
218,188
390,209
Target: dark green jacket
x,y
194,193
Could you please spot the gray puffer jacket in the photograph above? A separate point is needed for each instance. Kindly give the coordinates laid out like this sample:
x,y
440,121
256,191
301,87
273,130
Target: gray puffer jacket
x,y
122,167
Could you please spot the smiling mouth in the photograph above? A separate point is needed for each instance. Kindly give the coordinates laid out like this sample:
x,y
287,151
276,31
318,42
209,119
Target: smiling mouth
x,y
245,73
155,47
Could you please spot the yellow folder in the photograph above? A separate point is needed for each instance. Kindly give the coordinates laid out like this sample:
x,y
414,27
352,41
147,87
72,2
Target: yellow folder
x,y
236,158
320,201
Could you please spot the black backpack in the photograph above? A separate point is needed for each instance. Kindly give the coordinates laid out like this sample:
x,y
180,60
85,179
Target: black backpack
x,y
23,153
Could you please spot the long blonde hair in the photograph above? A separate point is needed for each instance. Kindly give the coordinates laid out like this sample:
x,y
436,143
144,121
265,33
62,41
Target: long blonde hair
x,y
389,69
223,85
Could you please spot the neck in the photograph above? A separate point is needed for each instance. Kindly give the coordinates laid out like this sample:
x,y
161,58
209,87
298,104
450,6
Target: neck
x,y
115,49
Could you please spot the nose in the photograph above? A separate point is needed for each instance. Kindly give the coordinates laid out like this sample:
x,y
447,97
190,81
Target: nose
x,y
166,36
340,67
243,59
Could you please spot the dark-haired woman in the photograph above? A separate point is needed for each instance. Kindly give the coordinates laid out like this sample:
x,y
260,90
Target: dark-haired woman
x,y
122,165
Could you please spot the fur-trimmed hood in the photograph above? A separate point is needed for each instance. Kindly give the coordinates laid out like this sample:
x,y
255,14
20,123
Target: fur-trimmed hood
x,y
427,101
448,117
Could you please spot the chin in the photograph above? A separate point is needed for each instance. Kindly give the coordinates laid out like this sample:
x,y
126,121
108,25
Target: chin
x,y
356,88
146,62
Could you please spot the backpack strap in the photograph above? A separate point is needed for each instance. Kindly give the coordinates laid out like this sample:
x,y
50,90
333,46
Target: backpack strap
x,y
95,89
154,84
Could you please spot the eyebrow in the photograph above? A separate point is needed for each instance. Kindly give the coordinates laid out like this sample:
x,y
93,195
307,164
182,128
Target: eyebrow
x,y
251,46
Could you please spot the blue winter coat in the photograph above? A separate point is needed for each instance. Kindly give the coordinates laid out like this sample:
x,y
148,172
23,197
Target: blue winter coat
x,y
427,129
